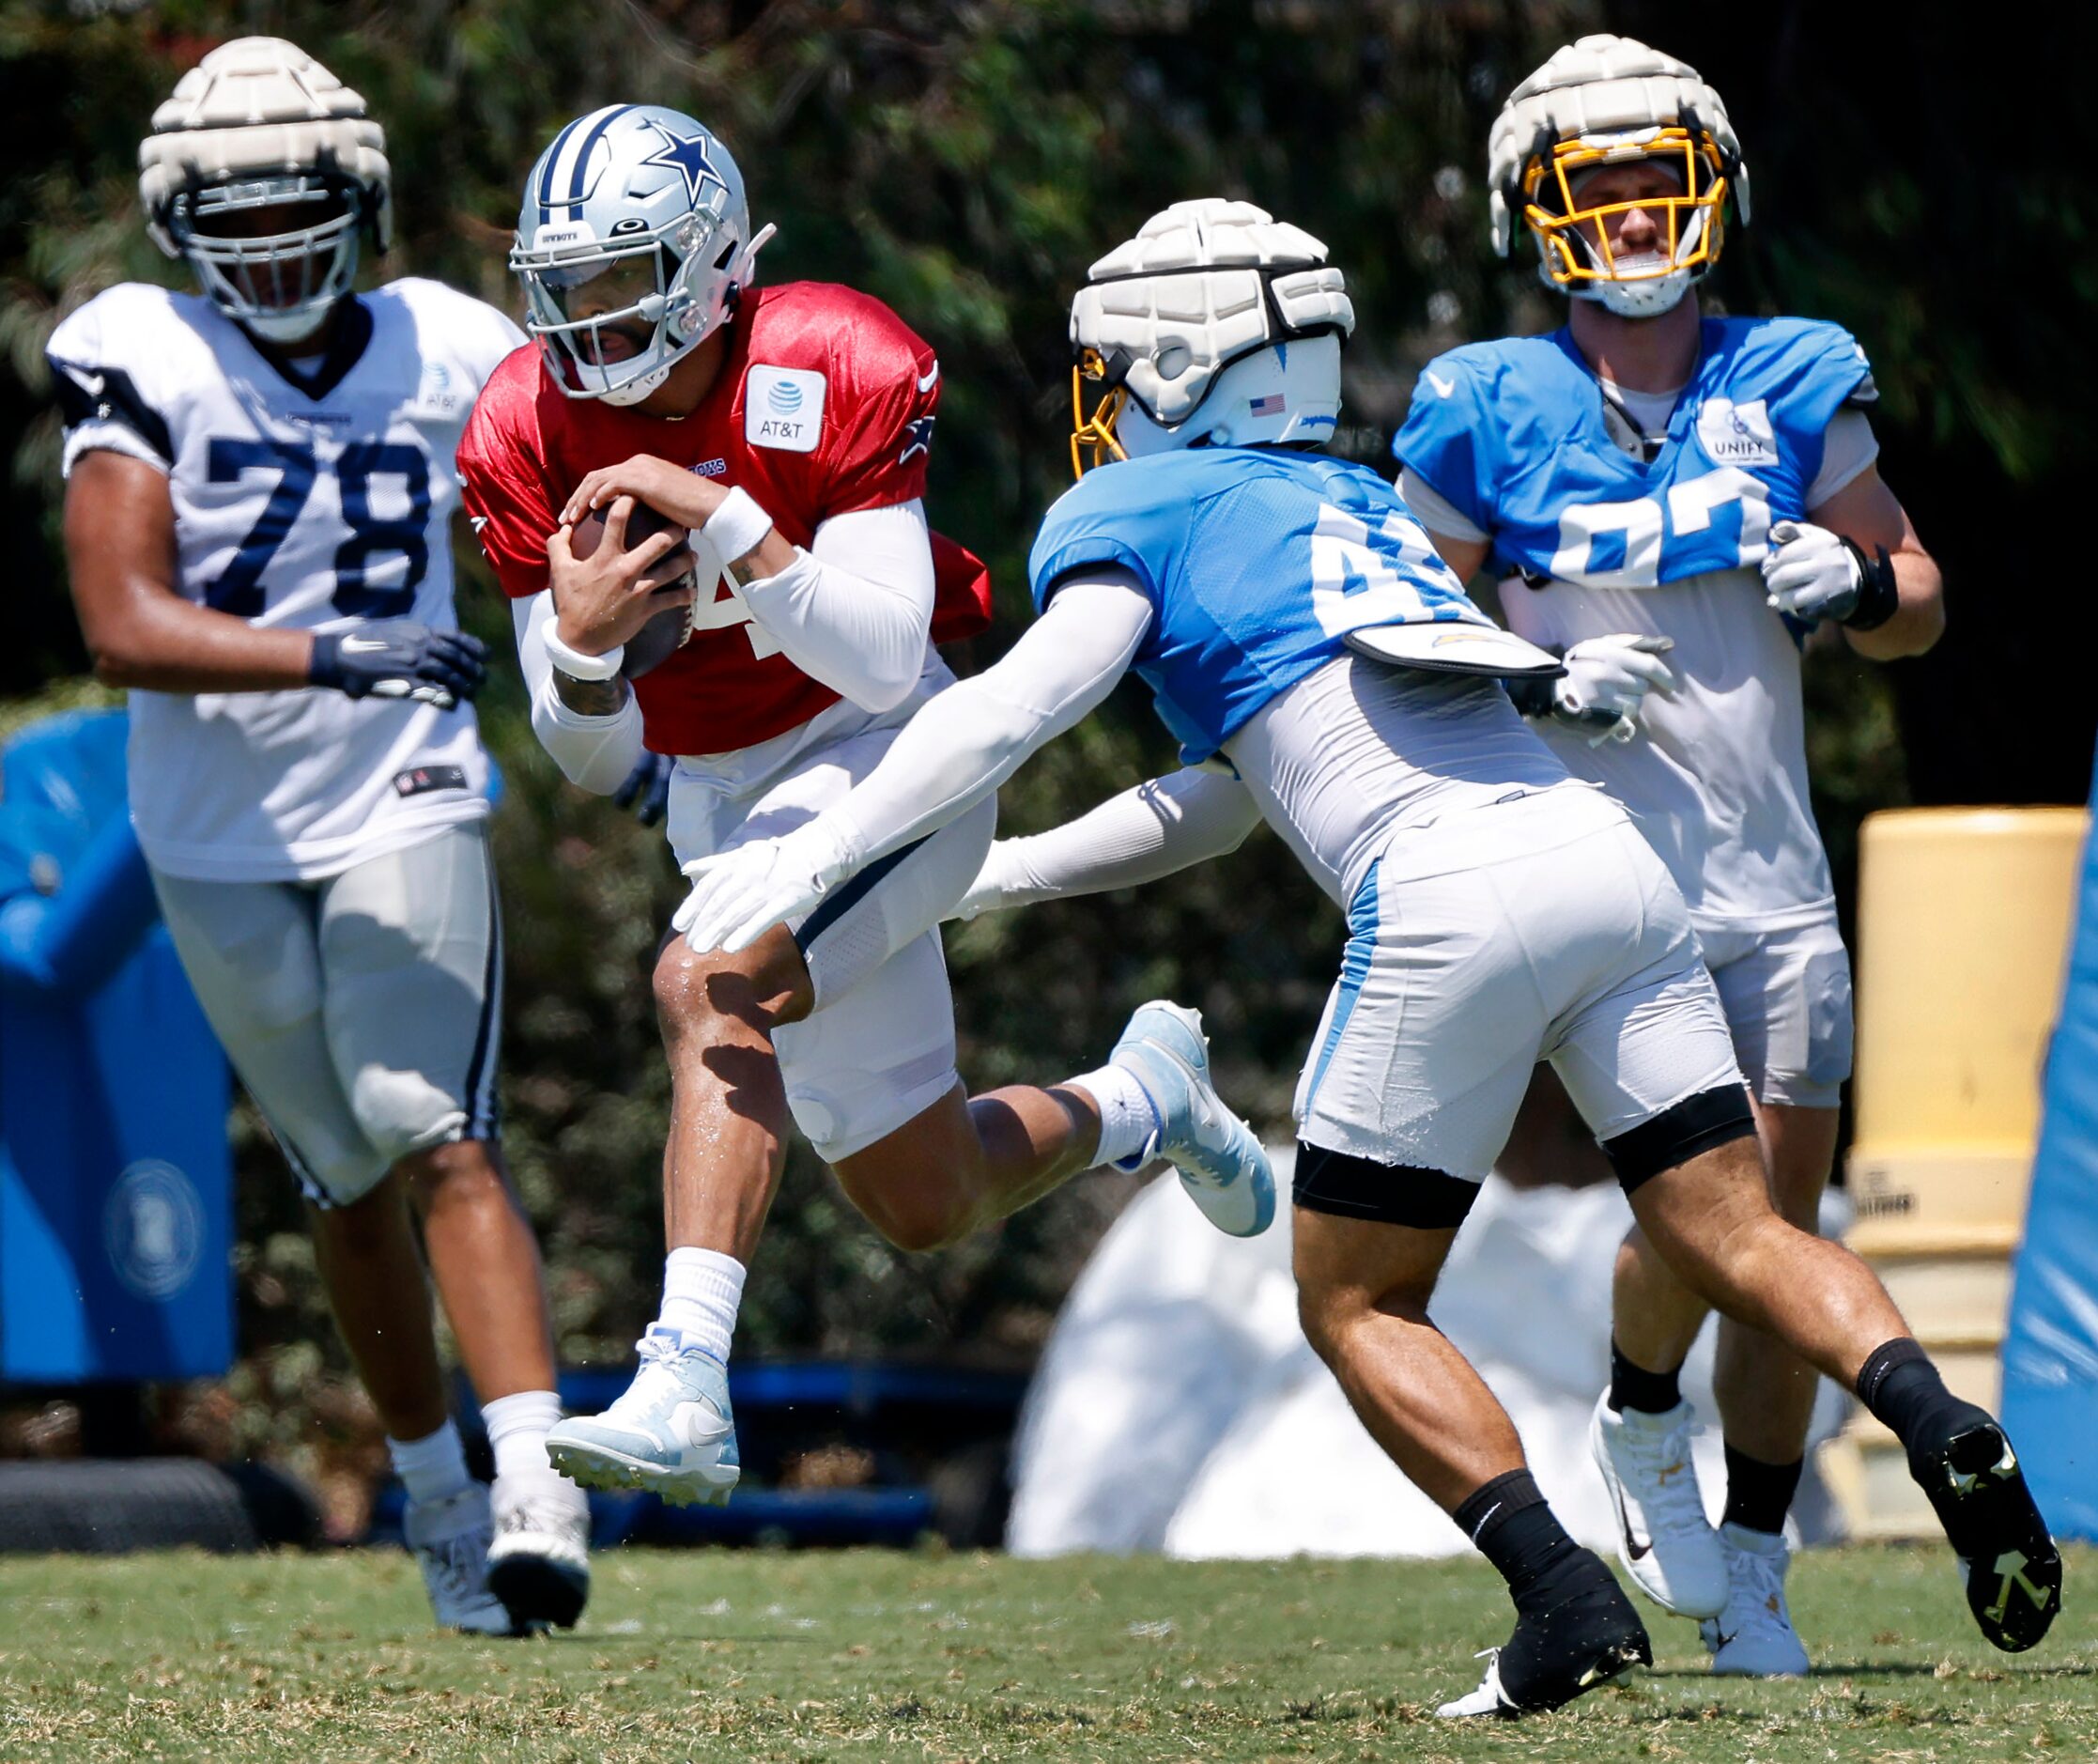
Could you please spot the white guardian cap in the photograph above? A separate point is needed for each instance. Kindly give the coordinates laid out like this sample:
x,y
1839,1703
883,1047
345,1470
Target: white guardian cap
x,y
633,243
1606,100
263,171
1217,325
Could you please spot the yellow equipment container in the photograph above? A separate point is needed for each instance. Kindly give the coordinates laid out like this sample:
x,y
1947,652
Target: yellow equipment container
x,y
1963,926
1964,918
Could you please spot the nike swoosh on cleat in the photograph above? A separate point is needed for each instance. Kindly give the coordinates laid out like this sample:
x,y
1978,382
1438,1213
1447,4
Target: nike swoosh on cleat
x,y
1633,1545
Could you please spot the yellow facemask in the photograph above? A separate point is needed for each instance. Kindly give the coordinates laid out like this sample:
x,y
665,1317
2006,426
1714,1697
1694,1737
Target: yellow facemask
x,y
1574,240
1094,434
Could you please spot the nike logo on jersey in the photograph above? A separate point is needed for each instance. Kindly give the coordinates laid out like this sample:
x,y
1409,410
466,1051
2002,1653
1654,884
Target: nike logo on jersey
x,y
1443,387
931,379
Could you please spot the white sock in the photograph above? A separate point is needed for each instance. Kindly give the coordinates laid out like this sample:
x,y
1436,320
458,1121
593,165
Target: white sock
x,y
433,1468
1128,1119
518,1429
701,1290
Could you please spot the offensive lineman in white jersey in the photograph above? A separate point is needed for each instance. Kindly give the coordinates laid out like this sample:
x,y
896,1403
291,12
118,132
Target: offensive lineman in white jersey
x,y
258,501
1673,500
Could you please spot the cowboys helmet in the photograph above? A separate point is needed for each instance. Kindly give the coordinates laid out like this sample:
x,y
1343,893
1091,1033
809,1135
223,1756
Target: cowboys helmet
x,y
633,244
1609,100
259,133
1217,325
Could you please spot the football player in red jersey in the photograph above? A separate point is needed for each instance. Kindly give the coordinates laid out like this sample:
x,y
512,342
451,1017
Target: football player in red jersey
x,y
787,429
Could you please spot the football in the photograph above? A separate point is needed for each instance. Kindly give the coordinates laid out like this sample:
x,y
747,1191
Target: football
x,y
669,628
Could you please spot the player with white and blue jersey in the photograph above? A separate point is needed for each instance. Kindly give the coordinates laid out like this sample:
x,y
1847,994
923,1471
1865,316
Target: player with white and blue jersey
x,y
1295,626
258,504
1673,500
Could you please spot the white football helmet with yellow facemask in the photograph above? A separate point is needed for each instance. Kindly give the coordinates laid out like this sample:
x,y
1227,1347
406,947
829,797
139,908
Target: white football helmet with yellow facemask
x,y
1609,100
1217,325
264,172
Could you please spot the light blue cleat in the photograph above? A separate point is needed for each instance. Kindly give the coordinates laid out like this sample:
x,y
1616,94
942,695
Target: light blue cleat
x,y
671,1434
1221,1164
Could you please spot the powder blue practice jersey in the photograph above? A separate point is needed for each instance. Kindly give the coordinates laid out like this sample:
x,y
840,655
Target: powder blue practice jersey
x,y
1259,562
1518,439
1512,433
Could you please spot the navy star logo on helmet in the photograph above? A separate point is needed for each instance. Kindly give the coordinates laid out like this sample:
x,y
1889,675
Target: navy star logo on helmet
x,y
687,155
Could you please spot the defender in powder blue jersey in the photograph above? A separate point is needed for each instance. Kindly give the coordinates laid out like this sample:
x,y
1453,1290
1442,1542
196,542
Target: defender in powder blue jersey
x,y
1293,627
1674,501
1258,565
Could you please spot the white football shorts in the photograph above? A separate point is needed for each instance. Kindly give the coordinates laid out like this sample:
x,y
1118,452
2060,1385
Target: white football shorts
x,y
364,1009
878,1049
1787,999
1538,928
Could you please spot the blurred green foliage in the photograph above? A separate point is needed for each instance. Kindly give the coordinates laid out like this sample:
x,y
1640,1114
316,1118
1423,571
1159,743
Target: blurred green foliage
x,y
965,159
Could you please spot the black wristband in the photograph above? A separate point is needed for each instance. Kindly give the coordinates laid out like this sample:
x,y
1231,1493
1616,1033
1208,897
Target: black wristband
x,y
1879,597
325,667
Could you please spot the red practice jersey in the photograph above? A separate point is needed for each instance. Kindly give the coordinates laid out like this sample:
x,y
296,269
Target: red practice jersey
x,y
824,406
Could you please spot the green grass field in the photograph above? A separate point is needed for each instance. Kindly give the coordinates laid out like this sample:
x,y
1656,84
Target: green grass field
x,y
869,1655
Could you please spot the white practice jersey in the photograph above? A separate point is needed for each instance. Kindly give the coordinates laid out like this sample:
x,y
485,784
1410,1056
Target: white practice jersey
x,y
310,504
1361,760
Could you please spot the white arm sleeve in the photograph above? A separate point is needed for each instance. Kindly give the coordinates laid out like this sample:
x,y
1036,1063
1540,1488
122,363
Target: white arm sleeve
x,y
1137,836
596,753
1849,445
854,609
970,738
1435,511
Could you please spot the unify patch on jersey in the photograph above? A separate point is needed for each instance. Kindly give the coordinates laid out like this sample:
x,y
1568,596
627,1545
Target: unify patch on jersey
x,y
1737,434
420,780
784,408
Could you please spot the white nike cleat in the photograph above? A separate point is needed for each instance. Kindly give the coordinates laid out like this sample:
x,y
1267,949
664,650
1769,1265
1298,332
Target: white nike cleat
x,y
1489,1699
1664,1539
671,1432
1753,1637
450,1540
539,1563
1221,1164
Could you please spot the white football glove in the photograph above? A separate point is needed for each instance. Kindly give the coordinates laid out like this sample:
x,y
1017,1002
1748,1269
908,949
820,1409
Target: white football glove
x,y
739,895
1812,573
1607,681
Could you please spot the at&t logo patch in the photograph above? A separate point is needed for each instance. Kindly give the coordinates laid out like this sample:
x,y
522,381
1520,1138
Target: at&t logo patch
x,y
783,407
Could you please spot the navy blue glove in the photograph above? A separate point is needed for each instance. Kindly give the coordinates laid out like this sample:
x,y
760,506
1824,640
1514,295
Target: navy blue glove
x,y
647,789
399,658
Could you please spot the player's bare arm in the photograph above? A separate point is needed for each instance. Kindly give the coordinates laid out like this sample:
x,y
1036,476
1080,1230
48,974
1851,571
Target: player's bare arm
x,y
121,558
1467,557
1867,514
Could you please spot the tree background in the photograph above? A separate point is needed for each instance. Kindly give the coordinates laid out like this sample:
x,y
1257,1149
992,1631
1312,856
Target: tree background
x,y
965,159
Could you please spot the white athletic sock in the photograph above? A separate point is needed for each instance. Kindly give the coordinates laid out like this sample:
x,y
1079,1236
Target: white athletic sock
x,y
1128,1117
518,1429
701,1290
433,1468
